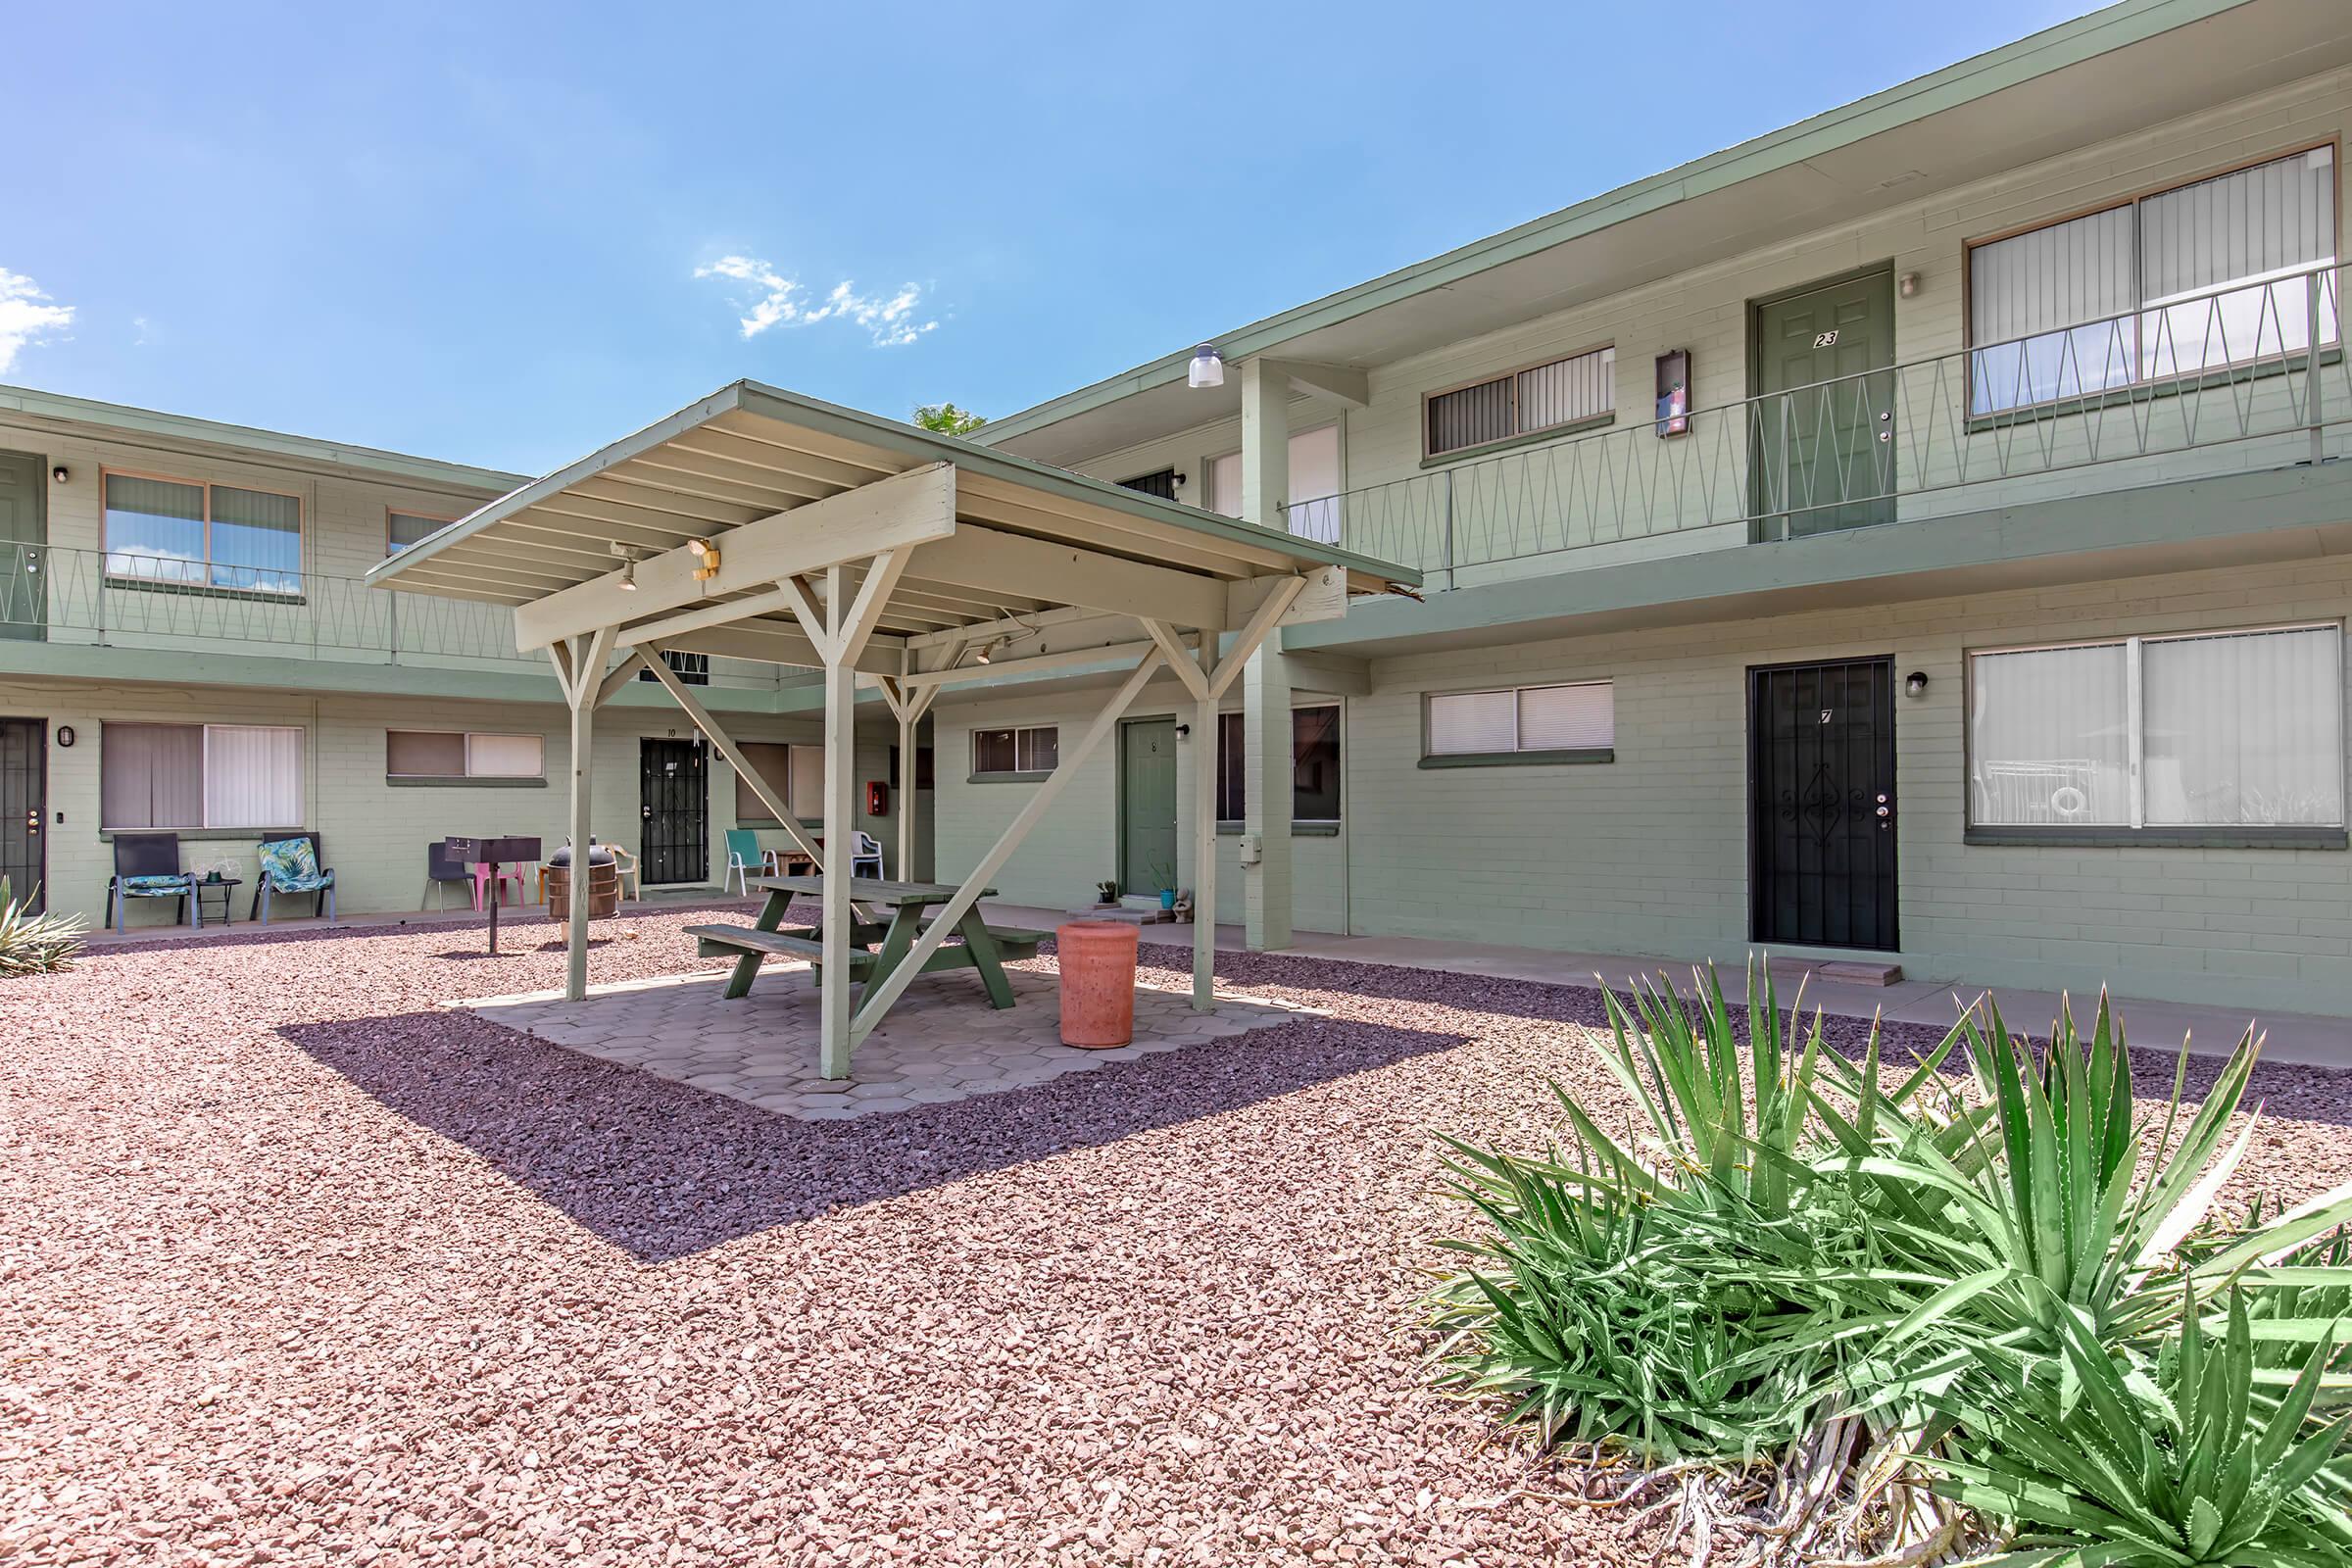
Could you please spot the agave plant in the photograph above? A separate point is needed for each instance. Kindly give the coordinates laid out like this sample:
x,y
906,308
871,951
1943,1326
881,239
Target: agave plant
x,y
1657,1295
2031,1215
2188,1472
34,943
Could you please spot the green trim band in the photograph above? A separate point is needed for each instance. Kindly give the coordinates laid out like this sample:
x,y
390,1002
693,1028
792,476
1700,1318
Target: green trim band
x,y
1533,438
1024,777
772,822
422,782
2160,838
1298,830
1575,756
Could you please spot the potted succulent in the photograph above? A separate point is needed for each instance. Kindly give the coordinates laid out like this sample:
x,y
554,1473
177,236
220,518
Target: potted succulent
x,y
1108,892
217,870
1163,876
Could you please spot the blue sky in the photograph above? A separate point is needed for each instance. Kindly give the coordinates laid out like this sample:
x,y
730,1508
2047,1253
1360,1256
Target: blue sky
x,y
506,233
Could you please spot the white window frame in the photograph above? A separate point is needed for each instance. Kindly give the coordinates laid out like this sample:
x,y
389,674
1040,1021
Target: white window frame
x,y
2134,742
1517,695
1023,749
468,736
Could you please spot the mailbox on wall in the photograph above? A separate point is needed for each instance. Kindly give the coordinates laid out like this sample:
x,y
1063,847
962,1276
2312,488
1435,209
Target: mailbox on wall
x,y
1674,393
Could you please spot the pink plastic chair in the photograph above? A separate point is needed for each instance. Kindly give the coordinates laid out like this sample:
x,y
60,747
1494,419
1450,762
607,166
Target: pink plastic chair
x,y
506,873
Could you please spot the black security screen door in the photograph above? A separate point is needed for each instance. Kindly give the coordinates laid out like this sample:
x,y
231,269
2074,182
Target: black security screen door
x,y
1821,804
674,794
23,804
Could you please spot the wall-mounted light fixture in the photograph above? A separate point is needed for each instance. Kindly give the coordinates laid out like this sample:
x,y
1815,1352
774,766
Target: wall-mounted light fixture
x,y
60,474
1208,367
990,652
1915,684
628,572
706,555
1907,285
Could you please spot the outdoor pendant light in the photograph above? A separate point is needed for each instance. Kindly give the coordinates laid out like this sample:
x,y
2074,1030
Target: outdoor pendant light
x,y
1208,367
628,571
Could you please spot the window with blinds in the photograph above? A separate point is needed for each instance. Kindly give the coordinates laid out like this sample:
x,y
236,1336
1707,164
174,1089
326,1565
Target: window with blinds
x,y
1032,750
1580,717
459,754
191,534
2199,277
189,777
2234,729
1543,397
405,528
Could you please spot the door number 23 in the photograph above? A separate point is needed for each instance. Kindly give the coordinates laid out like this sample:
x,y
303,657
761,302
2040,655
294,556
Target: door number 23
x,y
1825,340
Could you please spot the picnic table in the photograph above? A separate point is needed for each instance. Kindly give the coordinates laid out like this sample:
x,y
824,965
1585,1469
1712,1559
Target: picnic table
x,y
984,948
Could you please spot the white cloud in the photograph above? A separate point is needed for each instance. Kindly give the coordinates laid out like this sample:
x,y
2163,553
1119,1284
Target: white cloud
x,y
893,321
25,316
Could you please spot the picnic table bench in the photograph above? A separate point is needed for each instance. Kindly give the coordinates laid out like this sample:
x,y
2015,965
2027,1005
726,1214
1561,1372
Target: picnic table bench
x,y
984,948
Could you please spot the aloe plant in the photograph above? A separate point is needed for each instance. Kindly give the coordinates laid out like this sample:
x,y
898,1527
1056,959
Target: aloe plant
x,y
34,943
2186,1471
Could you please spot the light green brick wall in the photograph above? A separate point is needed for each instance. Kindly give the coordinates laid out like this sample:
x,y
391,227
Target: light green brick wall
x,y
376,832
1648,854
1059,864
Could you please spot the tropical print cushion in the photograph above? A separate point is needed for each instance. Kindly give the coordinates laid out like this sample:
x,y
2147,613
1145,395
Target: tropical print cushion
x,y
175,883
292,867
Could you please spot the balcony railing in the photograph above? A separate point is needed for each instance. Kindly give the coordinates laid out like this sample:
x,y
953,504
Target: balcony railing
x,y
117,599
2245,377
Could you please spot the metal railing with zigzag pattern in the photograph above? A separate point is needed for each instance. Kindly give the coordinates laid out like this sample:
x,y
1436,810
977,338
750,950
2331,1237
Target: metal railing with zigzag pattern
x,y
2250,377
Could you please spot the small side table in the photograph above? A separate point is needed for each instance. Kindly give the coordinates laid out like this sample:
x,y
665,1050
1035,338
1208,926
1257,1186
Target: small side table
x,y
226,887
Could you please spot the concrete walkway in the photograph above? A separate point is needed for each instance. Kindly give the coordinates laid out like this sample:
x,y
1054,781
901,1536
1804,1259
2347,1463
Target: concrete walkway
x,y
2288,1036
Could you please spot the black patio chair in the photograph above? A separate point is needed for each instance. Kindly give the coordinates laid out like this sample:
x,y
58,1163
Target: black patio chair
x,y
440,871
284,879
147,867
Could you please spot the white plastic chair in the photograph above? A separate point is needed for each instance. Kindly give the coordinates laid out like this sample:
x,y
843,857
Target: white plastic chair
x,y
867,850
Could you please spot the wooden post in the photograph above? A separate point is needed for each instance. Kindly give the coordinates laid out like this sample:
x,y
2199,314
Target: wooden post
x,y
876,1004
581,674
840,822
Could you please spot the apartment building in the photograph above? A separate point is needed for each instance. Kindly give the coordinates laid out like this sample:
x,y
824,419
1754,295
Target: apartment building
x,y
1918,535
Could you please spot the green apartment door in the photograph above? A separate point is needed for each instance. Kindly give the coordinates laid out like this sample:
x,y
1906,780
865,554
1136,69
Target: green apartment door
x,y
1821,431
24,539
1147,804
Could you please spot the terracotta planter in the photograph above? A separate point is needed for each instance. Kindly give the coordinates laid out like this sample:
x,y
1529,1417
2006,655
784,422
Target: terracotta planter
x,y
1097,983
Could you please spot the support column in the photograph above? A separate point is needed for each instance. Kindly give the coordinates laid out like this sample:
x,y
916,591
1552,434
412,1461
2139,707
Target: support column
x,y
1205,833
1267,681
841,808
580,670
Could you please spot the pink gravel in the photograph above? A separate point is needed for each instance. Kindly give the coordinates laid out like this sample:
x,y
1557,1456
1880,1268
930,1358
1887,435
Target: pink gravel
x,y
296,1267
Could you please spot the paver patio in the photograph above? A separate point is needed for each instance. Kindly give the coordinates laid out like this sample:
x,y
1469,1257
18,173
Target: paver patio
x,y
943,1044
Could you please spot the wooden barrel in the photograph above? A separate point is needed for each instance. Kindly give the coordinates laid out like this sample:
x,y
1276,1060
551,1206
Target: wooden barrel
x,y
604,891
